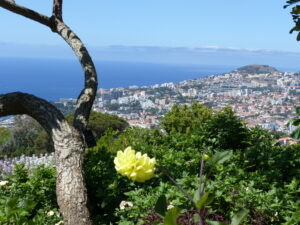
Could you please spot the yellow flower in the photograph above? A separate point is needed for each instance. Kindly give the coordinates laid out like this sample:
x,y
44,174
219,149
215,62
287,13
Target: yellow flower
x,y
133,165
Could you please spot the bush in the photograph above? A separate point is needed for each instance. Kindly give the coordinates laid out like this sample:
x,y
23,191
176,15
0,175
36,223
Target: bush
x,y
28,197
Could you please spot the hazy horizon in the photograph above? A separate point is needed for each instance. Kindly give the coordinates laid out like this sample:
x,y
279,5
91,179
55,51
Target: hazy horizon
x,y
200,56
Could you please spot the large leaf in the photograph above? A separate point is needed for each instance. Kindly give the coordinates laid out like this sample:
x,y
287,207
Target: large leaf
x,y
196,218
239,217
205,200
161,205
171,216
27,204
196,194
221,157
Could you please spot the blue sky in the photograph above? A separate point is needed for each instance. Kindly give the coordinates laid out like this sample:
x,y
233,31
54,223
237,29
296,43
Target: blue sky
x,y
230,24
254,24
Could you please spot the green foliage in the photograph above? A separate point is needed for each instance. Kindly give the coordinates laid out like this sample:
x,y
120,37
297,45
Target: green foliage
x,y
239,217
220,129
161,205
105,189
257,176
295,15
184,119
29,198
224,130
5,135
43,143
278,164
171,216
99,123
247,179
27,138
295,122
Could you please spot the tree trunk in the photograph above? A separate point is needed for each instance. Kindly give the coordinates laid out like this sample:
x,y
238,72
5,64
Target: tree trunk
x,y
69,151
70,187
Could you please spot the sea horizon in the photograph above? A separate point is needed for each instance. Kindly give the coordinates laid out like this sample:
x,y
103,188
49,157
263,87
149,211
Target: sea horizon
x,y
53,79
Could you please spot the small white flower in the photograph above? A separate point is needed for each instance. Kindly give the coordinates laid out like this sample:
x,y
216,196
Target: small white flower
x,y
4,182
124,204
60,222
170,206
50,213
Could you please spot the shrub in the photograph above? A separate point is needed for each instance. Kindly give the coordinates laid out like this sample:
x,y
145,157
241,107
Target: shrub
x,y
28,197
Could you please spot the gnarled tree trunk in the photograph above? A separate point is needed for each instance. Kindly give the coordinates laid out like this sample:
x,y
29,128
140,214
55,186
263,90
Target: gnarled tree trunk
x,y
69,142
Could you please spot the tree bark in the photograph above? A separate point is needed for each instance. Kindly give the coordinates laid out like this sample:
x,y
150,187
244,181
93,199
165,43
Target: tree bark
x,y
69,148
69,142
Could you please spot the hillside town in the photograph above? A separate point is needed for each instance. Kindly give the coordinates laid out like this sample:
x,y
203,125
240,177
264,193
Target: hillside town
x,y
260,95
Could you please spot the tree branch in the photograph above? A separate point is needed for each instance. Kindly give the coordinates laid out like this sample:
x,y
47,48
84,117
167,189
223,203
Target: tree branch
x,y
57,9
69,149
17,103
28,13
86,98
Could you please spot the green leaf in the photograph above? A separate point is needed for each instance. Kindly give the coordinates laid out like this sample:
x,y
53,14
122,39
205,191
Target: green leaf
x,y
239,217
196,218
221,157
161,205
205,200
294,122
298,110
295,219
215,222
296,9
27,204
171,216
298,37
296,133
196,194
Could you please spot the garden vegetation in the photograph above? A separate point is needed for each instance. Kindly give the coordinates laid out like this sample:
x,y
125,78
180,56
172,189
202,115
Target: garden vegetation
x,y
244,173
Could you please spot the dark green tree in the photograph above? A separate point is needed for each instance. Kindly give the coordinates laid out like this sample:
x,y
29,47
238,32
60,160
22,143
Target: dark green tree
x,y
226,129
185,119
27,137
99,123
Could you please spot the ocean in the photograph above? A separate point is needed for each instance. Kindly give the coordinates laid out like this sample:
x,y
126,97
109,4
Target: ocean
x,y
53,79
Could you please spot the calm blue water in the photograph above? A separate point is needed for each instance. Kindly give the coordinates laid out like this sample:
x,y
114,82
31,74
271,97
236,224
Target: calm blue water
x,y
53,79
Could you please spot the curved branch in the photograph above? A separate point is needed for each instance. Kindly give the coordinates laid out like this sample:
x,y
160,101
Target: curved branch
x,y
28,13
68,143
87,96
69,149
17,103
